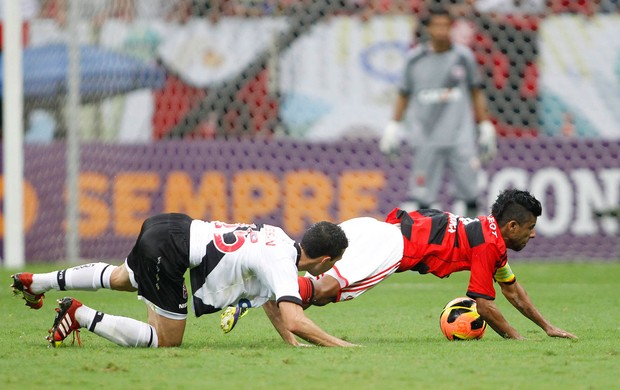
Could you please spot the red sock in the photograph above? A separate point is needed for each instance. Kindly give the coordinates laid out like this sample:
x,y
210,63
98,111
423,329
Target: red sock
x,y
306,289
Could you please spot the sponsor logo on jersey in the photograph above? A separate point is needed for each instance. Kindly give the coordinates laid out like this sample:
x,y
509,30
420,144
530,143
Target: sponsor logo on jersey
x,y
458,72
492,225
452,222
439,95
270,235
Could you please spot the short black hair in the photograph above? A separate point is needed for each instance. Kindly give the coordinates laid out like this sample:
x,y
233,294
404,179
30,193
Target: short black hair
x,y
324,239
437,11
515,205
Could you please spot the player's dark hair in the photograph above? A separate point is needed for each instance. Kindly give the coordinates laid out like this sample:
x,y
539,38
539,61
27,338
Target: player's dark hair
x,y
437,11
324,239
515,205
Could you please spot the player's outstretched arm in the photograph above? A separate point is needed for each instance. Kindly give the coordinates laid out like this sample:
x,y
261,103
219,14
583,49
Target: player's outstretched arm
x,y
273,313
491,314
517,296
289,320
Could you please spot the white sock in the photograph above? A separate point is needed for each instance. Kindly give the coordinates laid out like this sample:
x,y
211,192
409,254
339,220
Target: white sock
x,y
92,276
123,331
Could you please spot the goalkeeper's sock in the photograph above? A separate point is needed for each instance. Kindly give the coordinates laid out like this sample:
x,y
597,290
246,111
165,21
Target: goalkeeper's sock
x,y
122,331
89,277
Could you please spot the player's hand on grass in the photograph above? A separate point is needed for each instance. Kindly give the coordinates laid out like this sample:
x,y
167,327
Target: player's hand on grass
x,y
487,141
390,139
303,345
557,332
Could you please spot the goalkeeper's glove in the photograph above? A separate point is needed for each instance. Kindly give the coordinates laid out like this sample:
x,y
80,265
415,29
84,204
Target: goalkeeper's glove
x,y
487,140
390,140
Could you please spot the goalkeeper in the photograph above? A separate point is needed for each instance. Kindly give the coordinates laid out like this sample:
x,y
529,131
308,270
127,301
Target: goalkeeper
x,y
441,88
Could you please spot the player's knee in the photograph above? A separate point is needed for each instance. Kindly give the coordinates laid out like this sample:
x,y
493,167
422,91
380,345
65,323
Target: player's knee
x,y
169,331
119,279
169,336
166,343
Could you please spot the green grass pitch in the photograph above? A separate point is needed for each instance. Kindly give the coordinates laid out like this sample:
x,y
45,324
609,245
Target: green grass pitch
x,y
396,323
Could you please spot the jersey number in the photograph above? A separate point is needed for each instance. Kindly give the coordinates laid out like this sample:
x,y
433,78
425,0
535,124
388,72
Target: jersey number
x,y
232,241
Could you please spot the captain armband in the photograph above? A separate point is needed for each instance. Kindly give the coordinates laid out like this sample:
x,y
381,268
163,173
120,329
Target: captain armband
x,y
505,275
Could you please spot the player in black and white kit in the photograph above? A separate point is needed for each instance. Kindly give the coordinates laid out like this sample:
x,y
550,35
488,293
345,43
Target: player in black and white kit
x,y
441,87
245,265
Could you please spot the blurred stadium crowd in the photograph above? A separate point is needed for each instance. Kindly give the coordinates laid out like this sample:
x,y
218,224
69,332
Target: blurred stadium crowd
x,y
503,33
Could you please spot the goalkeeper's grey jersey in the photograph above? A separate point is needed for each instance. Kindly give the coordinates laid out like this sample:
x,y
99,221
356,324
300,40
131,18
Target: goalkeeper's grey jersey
x,y
439,89
239,264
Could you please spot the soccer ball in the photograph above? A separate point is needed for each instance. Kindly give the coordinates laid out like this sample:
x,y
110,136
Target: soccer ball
x,y
459,320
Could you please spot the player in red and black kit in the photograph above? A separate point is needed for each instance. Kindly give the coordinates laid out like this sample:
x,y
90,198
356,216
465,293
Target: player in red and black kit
x,y
440,243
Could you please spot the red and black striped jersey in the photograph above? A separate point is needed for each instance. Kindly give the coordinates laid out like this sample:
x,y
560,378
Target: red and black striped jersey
x,y
441,243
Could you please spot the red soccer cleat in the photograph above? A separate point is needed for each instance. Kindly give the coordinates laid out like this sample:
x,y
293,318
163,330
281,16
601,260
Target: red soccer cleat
x,y
65,322
21,284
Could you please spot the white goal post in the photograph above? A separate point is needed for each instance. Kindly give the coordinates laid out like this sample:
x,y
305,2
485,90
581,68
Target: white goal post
x,y
13,137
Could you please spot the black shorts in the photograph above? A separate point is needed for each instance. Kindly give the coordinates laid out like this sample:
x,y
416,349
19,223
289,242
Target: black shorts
x,y
159,260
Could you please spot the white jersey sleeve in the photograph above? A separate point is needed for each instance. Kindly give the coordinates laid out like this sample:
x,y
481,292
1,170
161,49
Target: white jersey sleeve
x,y
374,253
280,275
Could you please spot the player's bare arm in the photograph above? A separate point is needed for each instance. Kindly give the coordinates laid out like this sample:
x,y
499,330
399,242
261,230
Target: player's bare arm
x,y
518,297
271,309
325,291
489,311
292,319
479,104
402,101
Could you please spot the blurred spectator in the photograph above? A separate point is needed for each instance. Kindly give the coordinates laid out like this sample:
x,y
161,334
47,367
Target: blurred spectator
x,y
510,7
254,8
373,7
586,7
148,9
608,6
214,10
96,10
495,8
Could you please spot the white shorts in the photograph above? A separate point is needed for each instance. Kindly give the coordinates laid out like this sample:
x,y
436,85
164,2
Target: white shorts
x,y
162,312
374,253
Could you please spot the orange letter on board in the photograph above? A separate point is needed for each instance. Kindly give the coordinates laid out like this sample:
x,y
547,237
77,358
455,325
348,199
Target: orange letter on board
x,y
255,194
94,212
358,193
308,196
31,206
132,200
209,203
